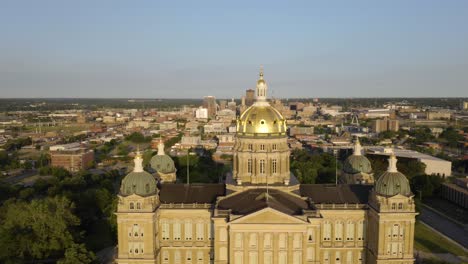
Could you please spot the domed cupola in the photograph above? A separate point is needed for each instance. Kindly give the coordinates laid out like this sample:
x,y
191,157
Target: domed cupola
x,y
138,181
161,162
392,182
357,163
261,119
163,165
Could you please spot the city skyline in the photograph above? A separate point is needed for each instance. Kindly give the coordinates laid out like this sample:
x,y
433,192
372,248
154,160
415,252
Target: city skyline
x,y
173,50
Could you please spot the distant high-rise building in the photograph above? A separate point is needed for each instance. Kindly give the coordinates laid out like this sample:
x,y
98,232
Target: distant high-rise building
x,y
74,159
381,125
249,97
209,102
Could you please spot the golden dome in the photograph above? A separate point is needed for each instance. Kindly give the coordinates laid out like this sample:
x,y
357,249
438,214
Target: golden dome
x,y
261,120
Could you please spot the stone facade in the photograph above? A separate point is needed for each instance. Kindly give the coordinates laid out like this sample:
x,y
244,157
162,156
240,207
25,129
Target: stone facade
x,y
263,215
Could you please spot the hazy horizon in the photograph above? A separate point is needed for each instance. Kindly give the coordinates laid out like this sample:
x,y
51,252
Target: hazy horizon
x,y
175,50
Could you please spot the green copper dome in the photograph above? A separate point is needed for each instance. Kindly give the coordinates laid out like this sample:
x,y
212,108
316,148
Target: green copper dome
x,y
139,183
162,164
392,183
357,164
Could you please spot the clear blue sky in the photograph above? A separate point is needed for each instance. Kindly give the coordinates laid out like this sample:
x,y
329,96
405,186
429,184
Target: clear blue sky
x,y
188,49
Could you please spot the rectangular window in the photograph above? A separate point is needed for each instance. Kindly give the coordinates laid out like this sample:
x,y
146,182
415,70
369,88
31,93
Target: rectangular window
x,y
250,147
188,230
176,230
395,230
262,147
339,231
310,254
297,241
349,257
337,257
238,242
274,147
326,231
350,231
274,165
249,165
200,231
360,231
262,166
165,230
326,257
267,241
200,256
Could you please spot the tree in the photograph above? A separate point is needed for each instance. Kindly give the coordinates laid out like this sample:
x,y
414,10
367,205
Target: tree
x,y
36,230
77,253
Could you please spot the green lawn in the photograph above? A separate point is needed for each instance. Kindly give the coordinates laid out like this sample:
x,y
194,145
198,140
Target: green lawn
x,y
428,241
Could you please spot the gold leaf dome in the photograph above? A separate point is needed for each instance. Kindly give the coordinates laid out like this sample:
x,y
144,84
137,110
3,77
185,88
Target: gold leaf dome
x,y
261,120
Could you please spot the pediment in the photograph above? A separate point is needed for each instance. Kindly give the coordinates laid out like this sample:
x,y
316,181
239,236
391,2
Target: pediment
x,y
268,216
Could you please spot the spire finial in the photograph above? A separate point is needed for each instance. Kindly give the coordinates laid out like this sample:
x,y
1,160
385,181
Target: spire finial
x,y
357,147
138,161
160,146
392,162
261,87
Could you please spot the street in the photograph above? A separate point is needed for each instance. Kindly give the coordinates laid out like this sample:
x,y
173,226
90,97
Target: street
x,y
444,226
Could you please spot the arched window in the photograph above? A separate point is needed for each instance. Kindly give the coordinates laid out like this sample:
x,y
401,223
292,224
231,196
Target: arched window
x,y
400,206
132,206
138,206
393,206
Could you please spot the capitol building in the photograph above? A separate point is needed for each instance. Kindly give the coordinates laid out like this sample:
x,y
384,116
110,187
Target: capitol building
x,y
262,214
